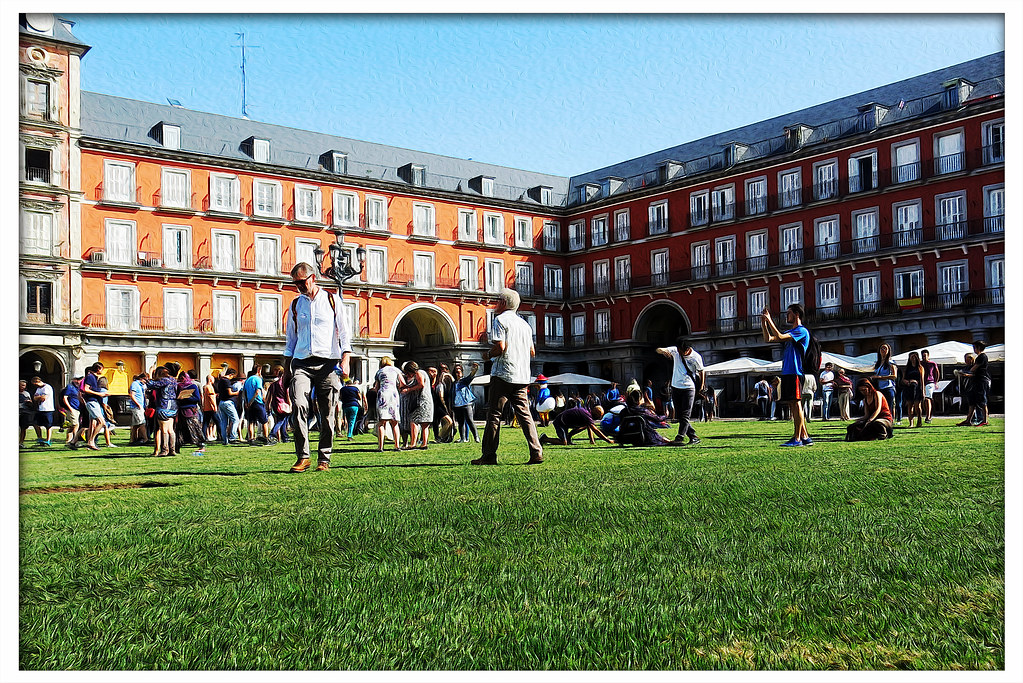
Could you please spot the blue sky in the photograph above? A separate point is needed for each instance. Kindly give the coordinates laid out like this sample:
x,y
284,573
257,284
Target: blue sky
x,y
560,94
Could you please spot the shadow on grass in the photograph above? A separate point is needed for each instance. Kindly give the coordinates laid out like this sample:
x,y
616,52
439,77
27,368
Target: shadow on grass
x,y
113,456
369,467
200,474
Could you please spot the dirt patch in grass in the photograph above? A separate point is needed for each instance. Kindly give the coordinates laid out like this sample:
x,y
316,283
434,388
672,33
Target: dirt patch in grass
x,y
98,487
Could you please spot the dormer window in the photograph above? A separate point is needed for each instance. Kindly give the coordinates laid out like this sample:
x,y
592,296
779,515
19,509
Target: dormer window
x,y
335,161
796,136
870,116
610,185
588,191
258,149
669,170
482,184
542,194
413,174
734,152
957,91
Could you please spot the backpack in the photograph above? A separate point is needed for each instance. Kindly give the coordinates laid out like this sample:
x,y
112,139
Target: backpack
x,y
630,431
812,356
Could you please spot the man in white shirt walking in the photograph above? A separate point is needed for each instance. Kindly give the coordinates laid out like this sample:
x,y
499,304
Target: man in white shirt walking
x,y
317,339
511,342
687,379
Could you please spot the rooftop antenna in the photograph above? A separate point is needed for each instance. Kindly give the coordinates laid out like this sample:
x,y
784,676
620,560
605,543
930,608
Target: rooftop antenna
x,y
245,111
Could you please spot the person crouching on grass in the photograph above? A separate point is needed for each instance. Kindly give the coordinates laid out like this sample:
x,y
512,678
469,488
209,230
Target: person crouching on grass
x,y
797,341
876,423
571,421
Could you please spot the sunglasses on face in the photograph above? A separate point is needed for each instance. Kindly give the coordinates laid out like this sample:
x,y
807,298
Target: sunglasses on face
x,y
302,281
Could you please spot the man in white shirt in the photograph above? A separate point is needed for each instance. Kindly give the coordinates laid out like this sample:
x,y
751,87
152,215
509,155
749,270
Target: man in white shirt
x,y
317,339
827,389
511,342
686,380
45,410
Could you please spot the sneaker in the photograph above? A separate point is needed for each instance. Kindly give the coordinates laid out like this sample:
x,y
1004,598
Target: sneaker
x,y
483,461
47,443
693,441
681,438
535,460
322,466
301,466
964,423
271,441
927,421
73,445
807,441
793,442
112,445
979,424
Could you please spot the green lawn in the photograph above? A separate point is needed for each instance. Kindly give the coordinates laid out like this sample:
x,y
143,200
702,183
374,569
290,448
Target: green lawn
x,y
735,554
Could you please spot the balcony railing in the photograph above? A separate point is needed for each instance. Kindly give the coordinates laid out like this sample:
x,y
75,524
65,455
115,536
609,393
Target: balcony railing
x,y
658,227
524,288
950,163
905,173
994,224
993,154
36,174
827,189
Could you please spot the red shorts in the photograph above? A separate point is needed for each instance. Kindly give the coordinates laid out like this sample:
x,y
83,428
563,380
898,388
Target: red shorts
x,y
791,387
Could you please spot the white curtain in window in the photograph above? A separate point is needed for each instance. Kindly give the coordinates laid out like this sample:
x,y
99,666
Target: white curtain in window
x,y
268,316
176,311
120,243
226,313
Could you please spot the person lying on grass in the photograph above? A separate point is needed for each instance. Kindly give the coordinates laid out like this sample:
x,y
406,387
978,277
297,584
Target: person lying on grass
x,y
570,422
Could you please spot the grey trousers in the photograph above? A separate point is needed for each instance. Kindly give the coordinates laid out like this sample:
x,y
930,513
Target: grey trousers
x,y
502,392
305,374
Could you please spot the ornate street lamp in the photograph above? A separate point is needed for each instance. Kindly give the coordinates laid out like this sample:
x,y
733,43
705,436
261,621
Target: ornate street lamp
x,y
340,269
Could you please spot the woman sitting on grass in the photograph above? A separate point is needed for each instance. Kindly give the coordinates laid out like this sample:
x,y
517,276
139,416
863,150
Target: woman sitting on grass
x,y
876,423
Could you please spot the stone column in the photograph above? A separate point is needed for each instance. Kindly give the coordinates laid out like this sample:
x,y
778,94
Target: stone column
x,y
149,360
934,338
248,360
205,365
851,348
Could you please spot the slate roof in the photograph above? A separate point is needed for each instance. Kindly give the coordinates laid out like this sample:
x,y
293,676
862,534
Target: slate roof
x,y
987,72
61,31
124,120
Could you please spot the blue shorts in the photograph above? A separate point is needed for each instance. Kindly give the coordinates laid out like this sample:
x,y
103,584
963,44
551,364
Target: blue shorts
x,y
256,413
166,413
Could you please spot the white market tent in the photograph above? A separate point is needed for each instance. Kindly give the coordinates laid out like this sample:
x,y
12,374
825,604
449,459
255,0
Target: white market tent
x,y
739,366
945,353
573,378
481,379
995,352
864,363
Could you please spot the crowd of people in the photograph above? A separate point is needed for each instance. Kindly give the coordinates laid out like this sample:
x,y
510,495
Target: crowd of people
x,y
313,390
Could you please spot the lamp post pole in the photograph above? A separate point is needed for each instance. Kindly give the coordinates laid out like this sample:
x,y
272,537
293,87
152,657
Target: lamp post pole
x,y
341,269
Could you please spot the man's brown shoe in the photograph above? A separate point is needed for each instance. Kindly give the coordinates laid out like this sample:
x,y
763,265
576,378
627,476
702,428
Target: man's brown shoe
x,y
301,466
483,461
323,466
535,460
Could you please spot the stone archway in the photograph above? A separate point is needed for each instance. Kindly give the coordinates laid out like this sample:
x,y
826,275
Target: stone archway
x,y
659,324
45,363
426,334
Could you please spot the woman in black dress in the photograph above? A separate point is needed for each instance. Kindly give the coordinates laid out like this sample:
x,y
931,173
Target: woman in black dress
x,y
912,382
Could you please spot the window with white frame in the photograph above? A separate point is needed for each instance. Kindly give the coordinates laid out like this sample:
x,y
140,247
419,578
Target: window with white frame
x,y
523,232
623,273
700,260
791,188
37,98
524,278
37,233
339,162
994,141
723,203
826,232
121,242
423,270
601,276
792,244
177,246
268,315
266,198
578,328
907,162
122,308
176,188
546,198
494,275
756,250
261,150
865,231
863,171
622,226
530,319
825,180
950,211
468,269
554,329
468,229
598,231
376,265
949,153
39,166
577,280
40,297
994,208
576,236
699,208
724,253
602,326
268,254
994,274
867,292
657,215
659,268
487,186
727,311
756,196
552,236
376,213
307,204
423,220
907,231
493,228
305,251
829,295
351,317
225,251
552,281
118,181
953,283
226,316
177,310
346,208
171,136
791,294
909,283
756,301
224,193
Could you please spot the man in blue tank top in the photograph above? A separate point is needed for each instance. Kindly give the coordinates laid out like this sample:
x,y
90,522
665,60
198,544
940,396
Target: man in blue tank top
x,y
796,341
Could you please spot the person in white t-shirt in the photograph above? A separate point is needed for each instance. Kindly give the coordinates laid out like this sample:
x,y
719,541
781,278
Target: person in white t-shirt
x,y
511,347
827,389
686,379
45,410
